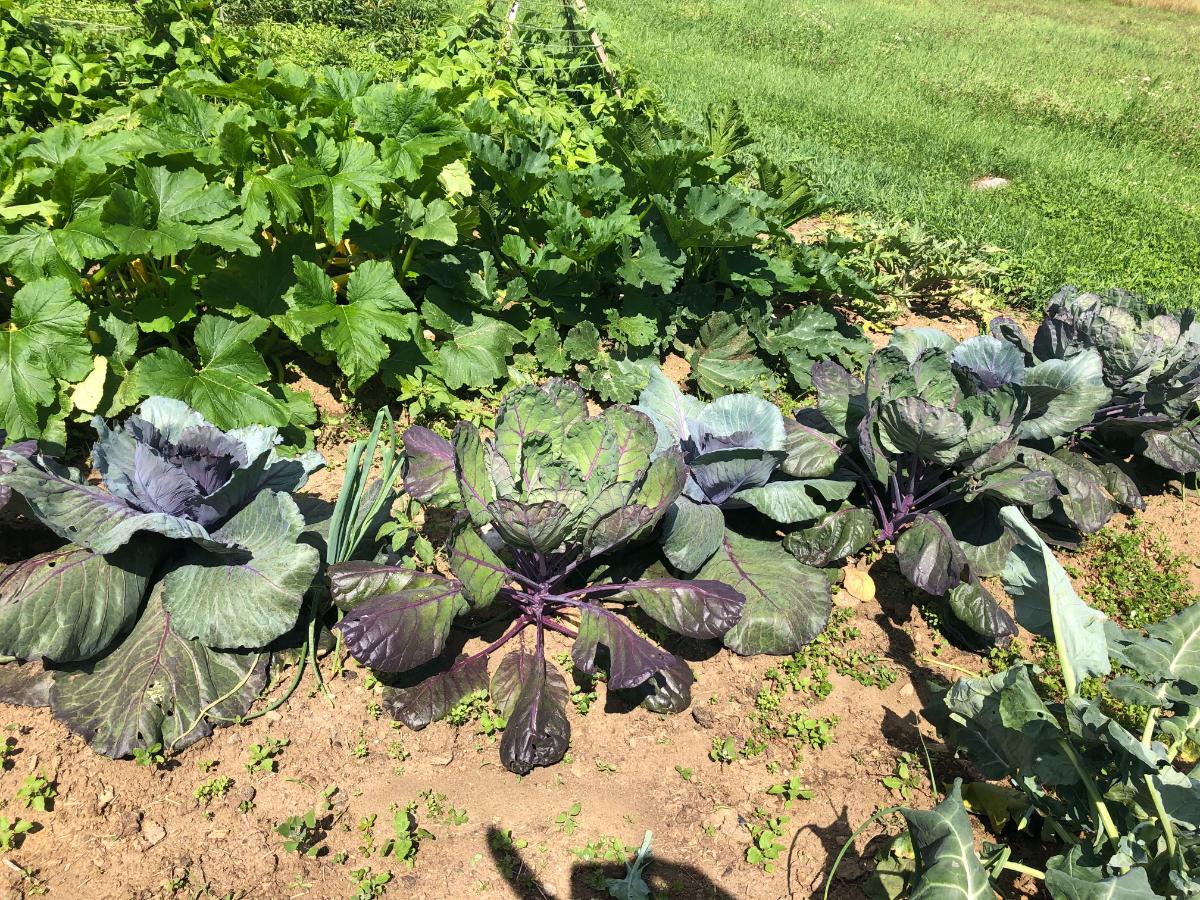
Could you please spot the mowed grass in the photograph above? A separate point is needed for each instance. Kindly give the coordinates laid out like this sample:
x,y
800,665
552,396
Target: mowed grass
x,y
1091,108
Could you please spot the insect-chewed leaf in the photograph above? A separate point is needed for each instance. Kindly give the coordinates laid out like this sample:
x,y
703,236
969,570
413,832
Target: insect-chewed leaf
x,y
1020,485
947,863
746,415
156,687
669,408
431,698
811,447
429,467
977,610
697,609
1046,602
929,556
787,603
514,670
615,445
24,449
538,732
1063,394
1006,727
398,631
631,658
635,518
838,535
1083,495
25,684
1168,651
786,502
70,604
549,410
988,362
251,598
910,425
1123,488
539,527
841,397
915,341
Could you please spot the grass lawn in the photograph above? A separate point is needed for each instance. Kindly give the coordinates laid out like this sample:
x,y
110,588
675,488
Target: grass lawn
x,y
1091,108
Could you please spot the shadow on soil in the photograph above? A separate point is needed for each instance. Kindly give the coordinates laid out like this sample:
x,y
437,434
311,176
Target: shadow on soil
x,y
588,879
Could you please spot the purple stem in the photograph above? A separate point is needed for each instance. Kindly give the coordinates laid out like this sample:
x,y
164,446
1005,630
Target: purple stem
x,y
941,486
884,519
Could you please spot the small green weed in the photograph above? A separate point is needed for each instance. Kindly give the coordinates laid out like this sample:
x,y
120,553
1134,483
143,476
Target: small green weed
x,y
791,790
723,750
303,833
300,834
603,849
407,836
813,731
368,885
505,849
908,777
263,756
766,842
37,792
477,707
151,757
12,830
213,789
565,820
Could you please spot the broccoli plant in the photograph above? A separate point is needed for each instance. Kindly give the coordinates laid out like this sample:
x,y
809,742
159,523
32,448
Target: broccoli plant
x,y
1115,804
1150,360
931,436
185,563
540,503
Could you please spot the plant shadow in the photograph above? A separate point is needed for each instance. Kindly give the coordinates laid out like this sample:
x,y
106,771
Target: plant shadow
x,y
665,877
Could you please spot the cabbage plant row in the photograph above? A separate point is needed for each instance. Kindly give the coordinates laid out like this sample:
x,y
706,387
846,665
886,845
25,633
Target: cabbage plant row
x,y
190,557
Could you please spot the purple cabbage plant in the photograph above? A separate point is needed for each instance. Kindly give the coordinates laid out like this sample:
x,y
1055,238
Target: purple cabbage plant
x,y
179,568
933,437
539,505
1149,358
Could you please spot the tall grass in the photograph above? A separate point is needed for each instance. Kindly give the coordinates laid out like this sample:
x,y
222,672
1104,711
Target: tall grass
x,y
1090,108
